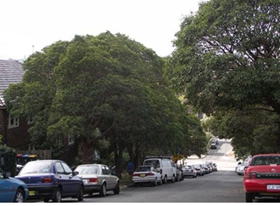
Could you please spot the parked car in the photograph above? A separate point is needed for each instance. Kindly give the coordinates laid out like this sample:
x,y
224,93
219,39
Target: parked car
x,y
262,177
167,171
11,189
213,145
98,178
240,168
189,170
206,169
179,173
51,180
199,169
215,166
146,174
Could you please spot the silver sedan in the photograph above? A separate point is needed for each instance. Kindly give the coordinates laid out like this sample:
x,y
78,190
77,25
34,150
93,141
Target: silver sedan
x,y
98,178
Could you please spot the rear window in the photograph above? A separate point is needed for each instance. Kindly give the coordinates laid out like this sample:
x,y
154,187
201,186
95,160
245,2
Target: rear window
x,y
36,167
143,169
265,160
87,170
154,163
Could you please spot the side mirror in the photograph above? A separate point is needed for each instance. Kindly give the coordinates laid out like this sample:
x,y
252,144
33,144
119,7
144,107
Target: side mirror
x,y
74,173
245,168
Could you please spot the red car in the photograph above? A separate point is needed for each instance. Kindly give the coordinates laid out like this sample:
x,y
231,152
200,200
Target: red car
x,y
262,177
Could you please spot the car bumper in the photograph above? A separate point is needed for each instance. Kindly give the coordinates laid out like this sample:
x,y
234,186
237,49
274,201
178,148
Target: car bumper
x,y
260,186
90,188
143,179
39,192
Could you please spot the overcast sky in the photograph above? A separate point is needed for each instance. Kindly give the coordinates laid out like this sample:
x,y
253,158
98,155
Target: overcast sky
x,y
30,25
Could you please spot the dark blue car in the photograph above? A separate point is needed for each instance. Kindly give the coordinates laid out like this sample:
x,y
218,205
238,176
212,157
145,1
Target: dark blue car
x,y
51,180
11,189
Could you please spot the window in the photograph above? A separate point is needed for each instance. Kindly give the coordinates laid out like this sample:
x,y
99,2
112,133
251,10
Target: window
x,y
13,121
30,120
71,139
59,168
66,168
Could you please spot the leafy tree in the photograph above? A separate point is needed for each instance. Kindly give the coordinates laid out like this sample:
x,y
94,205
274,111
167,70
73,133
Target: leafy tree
x,y
227,57
106,91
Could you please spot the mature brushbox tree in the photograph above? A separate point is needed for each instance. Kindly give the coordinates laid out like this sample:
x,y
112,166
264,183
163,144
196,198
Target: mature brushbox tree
x,y
227,56
103,90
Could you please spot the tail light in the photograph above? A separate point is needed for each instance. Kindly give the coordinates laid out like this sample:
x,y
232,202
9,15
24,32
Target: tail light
x,y
149,174
47,180
92,180
250,175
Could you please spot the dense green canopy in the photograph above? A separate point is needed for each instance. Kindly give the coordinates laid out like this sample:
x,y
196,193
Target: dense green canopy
x,y
107,91
227,58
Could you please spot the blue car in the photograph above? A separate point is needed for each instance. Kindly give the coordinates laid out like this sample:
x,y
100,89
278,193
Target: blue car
x,y
51,180
11,189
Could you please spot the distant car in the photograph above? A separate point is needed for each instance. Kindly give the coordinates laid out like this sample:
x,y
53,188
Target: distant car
x,y
262,177
51,180
147,174
206,169
215,166
240,168
98,178
189,170
11,189
213,145
179,173
199,169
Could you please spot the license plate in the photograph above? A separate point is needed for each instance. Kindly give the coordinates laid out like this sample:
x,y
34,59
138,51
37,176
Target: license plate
x,y
142,175
85,181
31,193
273,187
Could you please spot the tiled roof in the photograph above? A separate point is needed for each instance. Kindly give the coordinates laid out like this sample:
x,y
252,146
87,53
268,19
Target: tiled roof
x,y
10,72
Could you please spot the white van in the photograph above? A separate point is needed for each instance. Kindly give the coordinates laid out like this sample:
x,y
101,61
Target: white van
x,y
165,167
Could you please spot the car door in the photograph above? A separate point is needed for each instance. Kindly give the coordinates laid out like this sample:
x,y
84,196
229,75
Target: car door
x,y
63,178
106,177
7,190
73,181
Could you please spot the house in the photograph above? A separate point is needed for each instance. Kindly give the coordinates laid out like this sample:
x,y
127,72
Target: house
x,y
12,129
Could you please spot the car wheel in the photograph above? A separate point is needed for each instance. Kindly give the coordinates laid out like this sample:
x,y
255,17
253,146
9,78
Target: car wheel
x,y
19,197
117,189
160,182
103,190
57,195
165,179
173,179
249,197
80,195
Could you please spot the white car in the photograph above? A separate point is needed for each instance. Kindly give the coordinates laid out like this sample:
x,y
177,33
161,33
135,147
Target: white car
x,y
165,166
146,174
240,168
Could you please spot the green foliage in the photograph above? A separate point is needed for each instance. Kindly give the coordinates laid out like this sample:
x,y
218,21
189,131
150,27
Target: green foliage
x,y
227,62
108,92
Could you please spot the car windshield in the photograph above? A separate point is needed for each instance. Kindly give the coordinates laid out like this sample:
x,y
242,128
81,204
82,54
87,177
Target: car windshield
x,y
36,167
143,169
265,160
86,170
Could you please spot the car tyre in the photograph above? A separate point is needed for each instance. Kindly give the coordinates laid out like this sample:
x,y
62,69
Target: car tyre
x,y
165,179
173,179
46,199
57,195
117,189
249,197
103,190
19,197
80,195
160,182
